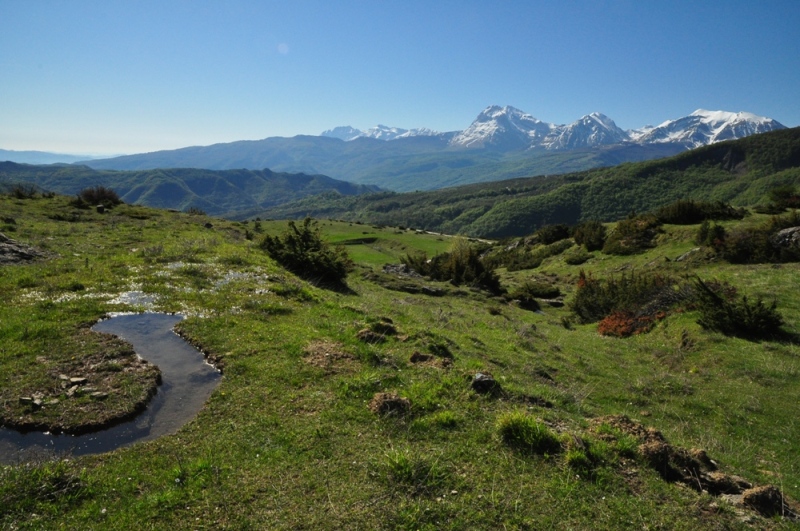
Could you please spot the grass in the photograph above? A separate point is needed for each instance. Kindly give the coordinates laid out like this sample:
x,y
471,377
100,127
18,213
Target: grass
x,y
284,443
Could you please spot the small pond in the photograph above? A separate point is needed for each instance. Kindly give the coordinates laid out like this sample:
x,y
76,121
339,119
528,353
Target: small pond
x,y
187,382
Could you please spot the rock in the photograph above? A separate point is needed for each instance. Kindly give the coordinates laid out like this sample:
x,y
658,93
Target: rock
x,y
25,400
37,402
78,381
484,383
71,391
688,254
787,238
389,404
99,395
401,270
63,377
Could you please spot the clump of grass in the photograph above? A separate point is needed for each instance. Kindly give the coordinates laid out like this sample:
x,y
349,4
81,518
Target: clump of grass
x,y
526,434
414,473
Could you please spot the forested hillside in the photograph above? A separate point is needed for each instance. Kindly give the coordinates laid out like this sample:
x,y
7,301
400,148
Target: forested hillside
x,y
740,172
229,193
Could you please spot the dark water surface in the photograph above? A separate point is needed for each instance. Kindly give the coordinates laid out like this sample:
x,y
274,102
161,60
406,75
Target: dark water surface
x,y
187,382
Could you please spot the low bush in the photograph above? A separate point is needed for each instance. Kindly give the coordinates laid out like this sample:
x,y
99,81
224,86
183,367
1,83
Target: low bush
x,y
690,212
625,324
552,233
736,316
99,195
632,235
302,251
640,295
462,265
755,245
591,234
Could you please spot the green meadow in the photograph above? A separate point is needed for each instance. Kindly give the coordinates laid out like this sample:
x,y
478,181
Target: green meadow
x,y
296,437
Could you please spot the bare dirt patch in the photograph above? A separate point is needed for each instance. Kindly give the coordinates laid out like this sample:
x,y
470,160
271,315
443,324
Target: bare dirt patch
x,y
330,356
695,469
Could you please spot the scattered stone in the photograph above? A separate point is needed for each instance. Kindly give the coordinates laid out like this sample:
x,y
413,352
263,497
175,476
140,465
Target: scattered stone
x,y
688,254
99,395
78,381
87,390
37,402
63,377
389,404
484,383
25,400
71,391
400,270
52,402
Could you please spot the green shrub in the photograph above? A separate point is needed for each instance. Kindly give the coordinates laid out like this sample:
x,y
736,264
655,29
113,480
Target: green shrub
x,y
462,265
638,295
526,434
754,245
99,195
22,191
736,317
633,235
785,197
591,234
577,256
535,290
302,251
710,235
195,211
690,212
552,233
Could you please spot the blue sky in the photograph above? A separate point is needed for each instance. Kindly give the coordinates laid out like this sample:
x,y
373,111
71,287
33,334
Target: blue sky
x,y
110,76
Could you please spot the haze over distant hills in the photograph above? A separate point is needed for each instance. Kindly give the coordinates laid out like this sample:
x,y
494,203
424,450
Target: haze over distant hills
x,y
501,143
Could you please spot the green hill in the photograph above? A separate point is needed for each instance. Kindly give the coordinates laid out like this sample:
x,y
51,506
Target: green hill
x,y
231,193
740,172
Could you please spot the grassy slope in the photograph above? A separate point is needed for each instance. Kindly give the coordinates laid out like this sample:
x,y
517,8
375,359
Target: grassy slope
x,y
287,444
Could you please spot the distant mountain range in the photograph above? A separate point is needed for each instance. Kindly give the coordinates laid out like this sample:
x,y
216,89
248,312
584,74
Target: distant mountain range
x,y
741,172
501,143
510,129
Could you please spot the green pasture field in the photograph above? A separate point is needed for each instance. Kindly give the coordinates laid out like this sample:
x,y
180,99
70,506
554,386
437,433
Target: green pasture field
x,y
288,440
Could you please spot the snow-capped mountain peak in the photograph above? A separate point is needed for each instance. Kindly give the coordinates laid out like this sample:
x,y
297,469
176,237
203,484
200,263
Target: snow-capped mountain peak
x,y
704,127
379,132
506,128
502,128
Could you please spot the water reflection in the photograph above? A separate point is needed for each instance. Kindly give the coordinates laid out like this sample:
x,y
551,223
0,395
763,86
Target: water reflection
x,y
187,382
